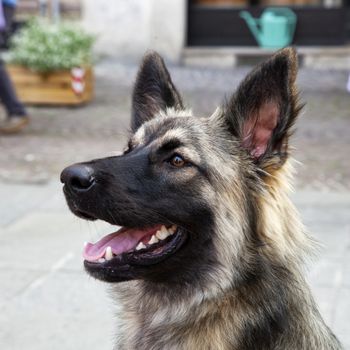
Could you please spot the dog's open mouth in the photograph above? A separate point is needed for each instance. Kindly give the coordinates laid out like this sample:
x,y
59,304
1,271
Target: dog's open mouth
x,y
150,240
131,247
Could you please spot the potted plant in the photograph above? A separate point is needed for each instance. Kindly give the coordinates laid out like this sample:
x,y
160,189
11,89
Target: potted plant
x,y
51,63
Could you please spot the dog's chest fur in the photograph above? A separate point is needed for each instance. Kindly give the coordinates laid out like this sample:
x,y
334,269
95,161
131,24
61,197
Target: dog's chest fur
x,y
225,322
187,324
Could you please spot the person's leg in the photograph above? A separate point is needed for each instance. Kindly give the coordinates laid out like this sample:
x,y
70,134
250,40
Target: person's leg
x,y
17,117
9,14
8,95
16,114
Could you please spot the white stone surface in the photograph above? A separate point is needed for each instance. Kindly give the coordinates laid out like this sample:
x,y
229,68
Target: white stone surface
x,y
127,28
167,28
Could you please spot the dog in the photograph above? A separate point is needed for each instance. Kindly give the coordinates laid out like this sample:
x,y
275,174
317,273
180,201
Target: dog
x,y
211,251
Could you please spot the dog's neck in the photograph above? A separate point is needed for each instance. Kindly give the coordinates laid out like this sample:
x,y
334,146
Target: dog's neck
x,y
238,318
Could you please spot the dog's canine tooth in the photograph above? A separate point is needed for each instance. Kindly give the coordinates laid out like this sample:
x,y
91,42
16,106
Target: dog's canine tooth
x,y
153,240
159,235
109,254
140,246
101,260
85,244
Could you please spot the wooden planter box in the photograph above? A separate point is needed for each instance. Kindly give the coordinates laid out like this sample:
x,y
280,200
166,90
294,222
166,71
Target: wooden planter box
x,y
73,87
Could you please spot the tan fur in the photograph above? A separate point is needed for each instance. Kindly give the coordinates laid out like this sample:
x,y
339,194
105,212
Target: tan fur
x,y
219,311
203,318
188,324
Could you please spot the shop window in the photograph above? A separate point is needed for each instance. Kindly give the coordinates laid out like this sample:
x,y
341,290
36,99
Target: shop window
x,y
244,3
219,23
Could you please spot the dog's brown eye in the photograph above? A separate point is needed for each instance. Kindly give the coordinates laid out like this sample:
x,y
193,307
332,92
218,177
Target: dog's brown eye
x,y
177,161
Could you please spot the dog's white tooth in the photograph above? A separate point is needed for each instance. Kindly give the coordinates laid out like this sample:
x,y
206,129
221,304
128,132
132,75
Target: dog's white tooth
x,y
162,235
172,229
85,244
165,231
108,253
153,240
140,246
101,260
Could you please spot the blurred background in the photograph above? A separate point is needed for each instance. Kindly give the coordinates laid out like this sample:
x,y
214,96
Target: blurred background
x,y
72,64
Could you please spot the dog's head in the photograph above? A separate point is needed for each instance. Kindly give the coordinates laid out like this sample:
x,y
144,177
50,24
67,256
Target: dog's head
x,y
185,189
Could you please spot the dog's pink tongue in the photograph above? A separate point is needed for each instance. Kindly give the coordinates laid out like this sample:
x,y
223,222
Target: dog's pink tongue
x,y
120,242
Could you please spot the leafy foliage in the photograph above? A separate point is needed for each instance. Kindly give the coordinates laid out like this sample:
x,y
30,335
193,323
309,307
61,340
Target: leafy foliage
x,y
45,47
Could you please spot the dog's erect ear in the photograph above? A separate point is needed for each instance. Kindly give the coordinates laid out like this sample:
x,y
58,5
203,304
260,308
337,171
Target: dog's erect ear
x,y
262,111
154,91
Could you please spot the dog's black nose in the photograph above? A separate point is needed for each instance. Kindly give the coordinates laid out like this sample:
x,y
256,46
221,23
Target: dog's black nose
x,y
78,177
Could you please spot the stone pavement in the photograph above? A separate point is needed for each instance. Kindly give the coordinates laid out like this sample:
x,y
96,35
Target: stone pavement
x,y
46,299
59,136
48,302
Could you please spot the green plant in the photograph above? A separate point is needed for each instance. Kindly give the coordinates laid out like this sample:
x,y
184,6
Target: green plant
x,y
45,47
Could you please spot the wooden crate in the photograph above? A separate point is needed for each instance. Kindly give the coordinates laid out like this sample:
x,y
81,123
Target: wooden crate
x,y
58,88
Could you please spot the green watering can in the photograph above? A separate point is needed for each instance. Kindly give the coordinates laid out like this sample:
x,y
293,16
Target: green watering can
x,y
275,28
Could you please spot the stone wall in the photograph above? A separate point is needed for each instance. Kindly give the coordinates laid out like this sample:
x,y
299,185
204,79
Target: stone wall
x,y
127,28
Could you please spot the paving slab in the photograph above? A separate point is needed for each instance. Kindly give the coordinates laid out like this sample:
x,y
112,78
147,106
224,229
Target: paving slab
x,y
48,302
65,311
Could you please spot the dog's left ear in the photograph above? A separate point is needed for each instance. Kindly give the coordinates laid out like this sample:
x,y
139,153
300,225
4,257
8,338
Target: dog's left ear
x,y
153,92
264,108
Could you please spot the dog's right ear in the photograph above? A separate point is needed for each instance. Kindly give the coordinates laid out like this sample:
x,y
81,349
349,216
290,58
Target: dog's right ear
x,y
153,92
264,108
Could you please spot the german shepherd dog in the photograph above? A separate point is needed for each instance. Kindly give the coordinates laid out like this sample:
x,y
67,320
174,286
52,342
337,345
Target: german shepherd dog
x,y
211,250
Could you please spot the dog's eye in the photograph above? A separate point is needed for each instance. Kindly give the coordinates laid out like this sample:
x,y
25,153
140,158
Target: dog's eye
x,y
177,161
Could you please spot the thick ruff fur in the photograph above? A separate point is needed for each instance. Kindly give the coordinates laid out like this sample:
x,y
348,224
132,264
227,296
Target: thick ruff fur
x,y
238,281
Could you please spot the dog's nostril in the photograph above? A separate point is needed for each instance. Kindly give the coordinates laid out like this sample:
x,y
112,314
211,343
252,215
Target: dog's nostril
x,y
81,183
78,177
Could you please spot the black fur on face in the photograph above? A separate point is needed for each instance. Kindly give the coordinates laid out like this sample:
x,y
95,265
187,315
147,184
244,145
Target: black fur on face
x,y
221,158
141,189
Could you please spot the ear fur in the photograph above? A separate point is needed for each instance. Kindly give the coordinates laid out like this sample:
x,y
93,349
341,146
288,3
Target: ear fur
x,y
264,108
153,92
